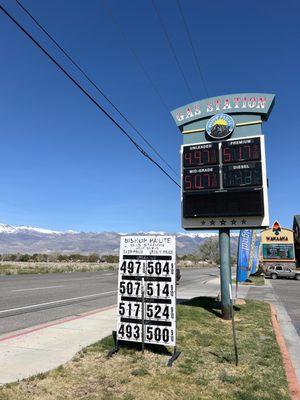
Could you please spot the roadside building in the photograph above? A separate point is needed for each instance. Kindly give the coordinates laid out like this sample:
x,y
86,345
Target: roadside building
x,y
296,228
278,247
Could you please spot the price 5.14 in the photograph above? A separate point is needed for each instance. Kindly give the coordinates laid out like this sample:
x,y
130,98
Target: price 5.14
x,y
159,289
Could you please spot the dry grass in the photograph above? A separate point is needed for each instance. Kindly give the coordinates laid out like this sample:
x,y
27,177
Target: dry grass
x,y
18,267
204,371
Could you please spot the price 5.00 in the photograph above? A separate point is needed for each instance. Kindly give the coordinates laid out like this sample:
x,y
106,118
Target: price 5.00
x,y
157,334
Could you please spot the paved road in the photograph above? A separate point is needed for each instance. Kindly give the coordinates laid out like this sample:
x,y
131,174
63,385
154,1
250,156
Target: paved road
x,y
288,292
29,300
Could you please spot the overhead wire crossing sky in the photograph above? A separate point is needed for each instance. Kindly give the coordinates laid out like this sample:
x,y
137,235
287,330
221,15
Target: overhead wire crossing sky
x,y
139,148
69,57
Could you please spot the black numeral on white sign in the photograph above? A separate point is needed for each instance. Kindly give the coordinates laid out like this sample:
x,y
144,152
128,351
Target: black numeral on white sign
x,y
147,262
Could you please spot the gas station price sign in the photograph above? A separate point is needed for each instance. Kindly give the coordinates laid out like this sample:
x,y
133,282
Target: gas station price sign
x,y
224,179
147,290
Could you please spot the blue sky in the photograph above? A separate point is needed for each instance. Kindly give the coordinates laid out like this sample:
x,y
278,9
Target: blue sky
x,y
65,166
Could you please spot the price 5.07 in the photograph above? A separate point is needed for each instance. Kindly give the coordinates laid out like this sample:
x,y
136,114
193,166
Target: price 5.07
x,y
131,288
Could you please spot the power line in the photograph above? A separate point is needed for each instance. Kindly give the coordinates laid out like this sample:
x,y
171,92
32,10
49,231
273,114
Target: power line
x,y
193,48
95,86
139,148
172,49
134,53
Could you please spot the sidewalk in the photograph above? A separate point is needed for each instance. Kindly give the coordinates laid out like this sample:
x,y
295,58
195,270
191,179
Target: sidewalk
x,y
47,346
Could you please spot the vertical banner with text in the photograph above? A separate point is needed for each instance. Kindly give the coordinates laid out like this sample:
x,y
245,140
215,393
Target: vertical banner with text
x,y
255,260
147,263
244,250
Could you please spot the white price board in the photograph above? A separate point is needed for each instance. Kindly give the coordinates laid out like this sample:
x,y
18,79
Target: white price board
x,y
147,263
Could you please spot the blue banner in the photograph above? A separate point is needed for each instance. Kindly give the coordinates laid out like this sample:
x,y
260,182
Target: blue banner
x,y
244,250
255,261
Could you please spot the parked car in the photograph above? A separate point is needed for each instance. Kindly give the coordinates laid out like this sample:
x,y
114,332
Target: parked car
x,y
278,271
178,276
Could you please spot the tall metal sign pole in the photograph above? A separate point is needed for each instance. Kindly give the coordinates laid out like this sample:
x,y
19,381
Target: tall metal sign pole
x,y
224,181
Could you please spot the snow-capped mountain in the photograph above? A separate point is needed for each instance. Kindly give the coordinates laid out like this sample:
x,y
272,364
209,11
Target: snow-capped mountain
x,y
27,239
5,228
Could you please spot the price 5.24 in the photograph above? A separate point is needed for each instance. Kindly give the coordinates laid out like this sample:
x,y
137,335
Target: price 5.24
x,y
159,311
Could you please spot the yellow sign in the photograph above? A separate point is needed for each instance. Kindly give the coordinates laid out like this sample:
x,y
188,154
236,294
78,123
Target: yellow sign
x,y
278,243
276,234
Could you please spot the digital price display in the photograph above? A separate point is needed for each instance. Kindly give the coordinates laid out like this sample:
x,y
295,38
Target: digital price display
x,y
223,179
241,150
242,175
198,155
147,265
201,178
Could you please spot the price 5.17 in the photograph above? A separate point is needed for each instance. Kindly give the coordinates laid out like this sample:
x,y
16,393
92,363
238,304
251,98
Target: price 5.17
x,y
158,289
130,309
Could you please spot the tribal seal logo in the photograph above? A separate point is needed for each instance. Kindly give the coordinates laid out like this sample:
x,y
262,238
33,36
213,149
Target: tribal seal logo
x,y
220,126
276,228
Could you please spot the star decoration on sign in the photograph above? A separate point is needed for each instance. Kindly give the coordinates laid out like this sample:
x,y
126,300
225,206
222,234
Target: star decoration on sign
x,y
203,222
233,222
223,222
212,222
243,221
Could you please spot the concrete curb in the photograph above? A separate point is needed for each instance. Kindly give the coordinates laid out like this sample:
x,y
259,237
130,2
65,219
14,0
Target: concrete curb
x,y
287,362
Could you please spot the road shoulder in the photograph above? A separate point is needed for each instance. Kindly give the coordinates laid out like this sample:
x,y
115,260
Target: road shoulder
x,y
42,348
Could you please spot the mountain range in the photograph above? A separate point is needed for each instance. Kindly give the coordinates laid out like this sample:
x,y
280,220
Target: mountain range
x,y
28,239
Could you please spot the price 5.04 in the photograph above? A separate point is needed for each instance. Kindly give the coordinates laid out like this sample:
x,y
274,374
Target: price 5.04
x,y
159,289
159,268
